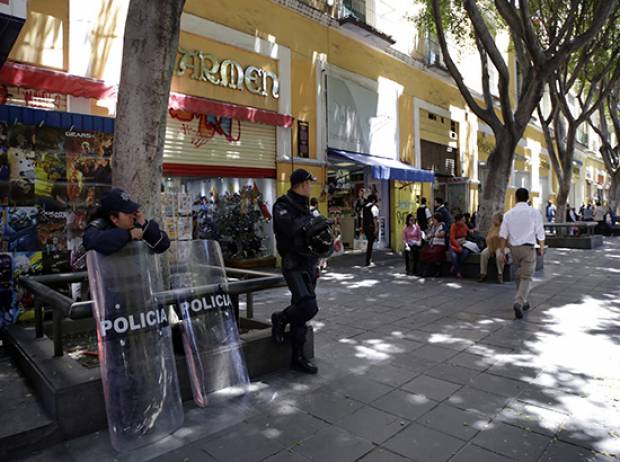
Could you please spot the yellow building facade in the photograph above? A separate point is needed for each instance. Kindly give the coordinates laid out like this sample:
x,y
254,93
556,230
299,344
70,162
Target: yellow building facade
x,y
263,87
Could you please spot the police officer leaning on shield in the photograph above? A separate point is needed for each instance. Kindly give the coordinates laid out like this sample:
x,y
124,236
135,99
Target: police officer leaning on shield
x,y
301,239
119,221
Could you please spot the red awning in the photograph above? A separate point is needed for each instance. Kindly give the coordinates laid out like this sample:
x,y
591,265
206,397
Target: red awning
x,y
25,76
206,106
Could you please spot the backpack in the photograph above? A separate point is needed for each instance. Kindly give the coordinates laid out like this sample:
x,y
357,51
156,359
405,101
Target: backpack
x,y
369,220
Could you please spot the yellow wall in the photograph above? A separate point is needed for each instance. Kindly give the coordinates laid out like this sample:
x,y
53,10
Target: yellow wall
x,y
43,40
404,198
303,83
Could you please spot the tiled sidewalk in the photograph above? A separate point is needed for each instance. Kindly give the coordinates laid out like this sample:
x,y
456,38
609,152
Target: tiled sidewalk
x,y
426,370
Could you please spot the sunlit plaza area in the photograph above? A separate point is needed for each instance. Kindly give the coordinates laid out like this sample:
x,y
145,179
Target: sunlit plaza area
x,y
310,230
423,369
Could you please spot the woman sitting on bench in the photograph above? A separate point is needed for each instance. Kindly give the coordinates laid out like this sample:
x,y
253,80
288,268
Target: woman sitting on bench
x,y
492,249
434,252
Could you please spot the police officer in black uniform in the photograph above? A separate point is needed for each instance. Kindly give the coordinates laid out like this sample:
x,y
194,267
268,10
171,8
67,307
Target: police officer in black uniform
x,y
301,240
119,221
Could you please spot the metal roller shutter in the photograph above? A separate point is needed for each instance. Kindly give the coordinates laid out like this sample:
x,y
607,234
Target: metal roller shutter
x,y
209,140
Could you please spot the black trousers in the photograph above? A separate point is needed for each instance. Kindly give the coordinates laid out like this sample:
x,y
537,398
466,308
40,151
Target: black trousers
x,y
412,260
301,281
371,238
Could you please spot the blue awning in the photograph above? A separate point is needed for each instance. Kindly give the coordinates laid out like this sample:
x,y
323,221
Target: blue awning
x,y
386,169
66,120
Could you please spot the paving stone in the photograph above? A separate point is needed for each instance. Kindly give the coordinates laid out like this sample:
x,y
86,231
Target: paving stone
x,y
453,421
532,418
388,374
471,399
383,455
470,361
288,428
328,405
424,444
451,373
591,435
473,453
359,388
564,452
333,444
512,371
372,424
434,353
433,388
414,363
286,456
241,443
188,453
512,441
403,404
498,385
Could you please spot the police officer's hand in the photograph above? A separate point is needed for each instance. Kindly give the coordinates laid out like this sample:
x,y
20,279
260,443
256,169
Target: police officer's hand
x,y
136,234
139,217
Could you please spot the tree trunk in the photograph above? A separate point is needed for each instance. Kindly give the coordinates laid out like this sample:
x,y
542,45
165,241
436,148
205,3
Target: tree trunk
x,y
562,197
499,166
149,53
614,191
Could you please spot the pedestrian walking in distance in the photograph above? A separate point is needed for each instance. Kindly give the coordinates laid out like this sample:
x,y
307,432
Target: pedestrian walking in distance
x,y
522,228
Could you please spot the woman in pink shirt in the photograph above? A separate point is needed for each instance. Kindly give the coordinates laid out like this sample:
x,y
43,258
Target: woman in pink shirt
x,y
412,238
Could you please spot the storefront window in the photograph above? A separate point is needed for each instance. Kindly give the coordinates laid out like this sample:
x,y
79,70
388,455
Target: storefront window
x,y
234,211
349,186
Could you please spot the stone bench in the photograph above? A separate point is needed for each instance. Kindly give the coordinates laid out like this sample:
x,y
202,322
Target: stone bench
x,y
470,268
585,241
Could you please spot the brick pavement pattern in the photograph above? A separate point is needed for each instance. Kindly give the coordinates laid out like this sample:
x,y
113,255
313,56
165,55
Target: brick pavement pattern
x,y
425,370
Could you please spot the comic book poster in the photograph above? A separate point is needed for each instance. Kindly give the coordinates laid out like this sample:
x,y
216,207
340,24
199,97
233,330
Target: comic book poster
x,y
20,229
4,164
89,167
76,223
51,169
6,289
30,264
21,160
52,231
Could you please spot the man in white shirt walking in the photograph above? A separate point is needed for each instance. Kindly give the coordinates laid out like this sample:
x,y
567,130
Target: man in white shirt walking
x,y
522,228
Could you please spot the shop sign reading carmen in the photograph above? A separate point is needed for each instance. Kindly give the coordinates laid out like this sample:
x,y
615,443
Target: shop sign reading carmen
x,y
227,73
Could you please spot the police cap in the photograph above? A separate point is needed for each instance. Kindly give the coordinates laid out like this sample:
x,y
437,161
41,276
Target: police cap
x,y
300,175
117,200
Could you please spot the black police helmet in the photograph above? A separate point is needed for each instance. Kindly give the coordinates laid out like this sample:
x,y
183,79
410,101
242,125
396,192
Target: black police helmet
x,y
319,236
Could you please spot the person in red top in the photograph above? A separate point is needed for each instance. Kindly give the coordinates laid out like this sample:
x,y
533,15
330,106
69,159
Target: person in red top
x,y
458,235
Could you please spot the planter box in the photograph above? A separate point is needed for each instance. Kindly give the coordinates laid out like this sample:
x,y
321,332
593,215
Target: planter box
x,y
72,395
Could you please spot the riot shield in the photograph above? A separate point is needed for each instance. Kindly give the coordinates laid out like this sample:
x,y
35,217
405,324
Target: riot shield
x,y
138,371
209,329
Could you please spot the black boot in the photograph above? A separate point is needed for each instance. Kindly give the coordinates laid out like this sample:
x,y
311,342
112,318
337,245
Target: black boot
x,y
302,364
278,324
